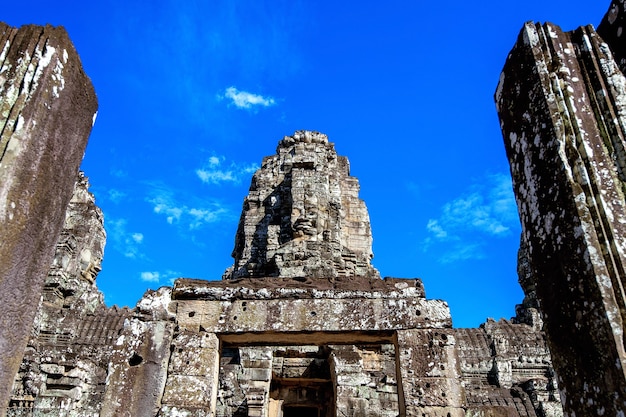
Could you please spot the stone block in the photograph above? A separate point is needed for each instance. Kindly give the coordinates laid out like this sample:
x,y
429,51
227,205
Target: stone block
x,y
413,411
433,392
189,391
258,374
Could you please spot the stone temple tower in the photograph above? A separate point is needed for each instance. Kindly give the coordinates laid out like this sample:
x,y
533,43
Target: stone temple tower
x,y
303,216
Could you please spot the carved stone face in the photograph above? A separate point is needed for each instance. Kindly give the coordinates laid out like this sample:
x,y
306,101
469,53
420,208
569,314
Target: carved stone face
x,y
303,216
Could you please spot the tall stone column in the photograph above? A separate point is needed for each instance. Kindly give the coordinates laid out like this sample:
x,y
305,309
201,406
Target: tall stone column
x,y
562,106
47,108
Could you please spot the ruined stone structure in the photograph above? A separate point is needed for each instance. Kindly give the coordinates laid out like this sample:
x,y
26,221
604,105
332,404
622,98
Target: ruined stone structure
x,y
47,106
302,324
562,106
320,335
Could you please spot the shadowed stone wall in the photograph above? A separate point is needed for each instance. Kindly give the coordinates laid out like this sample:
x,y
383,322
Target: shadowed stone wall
x,y
47,108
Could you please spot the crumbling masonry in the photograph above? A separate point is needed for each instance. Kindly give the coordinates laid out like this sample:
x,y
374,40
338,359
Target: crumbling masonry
x,y
303,325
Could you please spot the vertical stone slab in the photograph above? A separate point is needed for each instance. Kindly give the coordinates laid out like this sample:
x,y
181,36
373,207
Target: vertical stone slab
x,y
257,363
137,370
429,373
47,108
562,106
192,380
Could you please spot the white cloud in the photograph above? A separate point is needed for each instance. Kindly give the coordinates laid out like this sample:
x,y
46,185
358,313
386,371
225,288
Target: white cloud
x,y
486,210
214,161
215,177
123,241
216,172
178,213
434,227
116,196
162,205
462,253
150,276
246,100
168,276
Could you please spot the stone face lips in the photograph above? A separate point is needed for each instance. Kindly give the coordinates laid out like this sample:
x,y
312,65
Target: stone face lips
x,y
303,216
562,106
47,107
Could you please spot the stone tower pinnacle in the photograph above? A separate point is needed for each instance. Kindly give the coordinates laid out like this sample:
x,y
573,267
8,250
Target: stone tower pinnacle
x,y
302,216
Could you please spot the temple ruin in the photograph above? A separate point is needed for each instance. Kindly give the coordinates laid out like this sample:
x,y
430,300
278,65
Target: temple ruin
x,y
302,324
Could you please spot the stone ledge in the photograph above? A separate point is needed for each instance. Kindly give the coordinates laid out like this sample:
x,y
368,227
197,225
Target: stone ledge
x,y
296,288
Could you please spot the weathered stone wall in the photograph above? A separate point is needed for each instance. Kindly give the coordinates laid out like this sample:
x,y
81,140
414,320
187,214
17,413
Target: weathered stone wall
x,y
562,106
47,107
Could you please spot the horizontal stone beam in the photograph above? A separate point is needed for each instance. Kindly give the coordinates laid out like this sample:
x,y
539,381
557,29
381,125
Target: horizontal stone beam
x,y
281,288
312,315
306,338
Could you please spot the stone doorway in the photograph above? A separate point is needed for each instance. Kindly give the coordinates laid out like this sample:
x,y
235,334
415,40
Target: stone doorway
x,y
301,383
308,380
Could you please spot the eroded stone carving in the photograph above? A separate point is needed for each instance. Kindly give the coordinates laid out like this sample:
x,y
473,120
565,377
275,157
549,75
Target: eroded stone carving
x,y
317,346
68,353
303,216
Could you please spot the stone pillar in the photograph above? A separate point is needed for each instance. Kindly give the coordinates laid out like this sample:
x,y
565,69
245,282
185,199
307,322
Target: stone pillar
x,y
47,108
429,373
192,377
257,364
562,106
138,366
365,381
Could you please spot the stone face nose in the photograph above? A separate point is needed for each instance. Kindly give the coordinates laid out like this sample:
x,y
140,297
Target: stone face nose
x,y
303,216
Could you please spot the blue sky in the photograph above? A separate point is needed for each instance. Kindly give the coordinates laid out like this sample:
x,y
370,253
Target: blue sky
x,y
194,94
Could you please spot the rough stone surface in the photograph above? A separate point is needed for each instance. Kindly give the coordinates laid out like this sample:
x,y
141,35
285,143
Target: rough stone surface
x,y
562,106
303,216
47,106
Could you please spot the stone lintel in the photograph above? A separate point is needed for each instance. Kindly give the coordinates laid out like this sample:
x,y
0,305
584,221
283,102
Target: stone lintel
x,y
284,288
312,315
306,338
